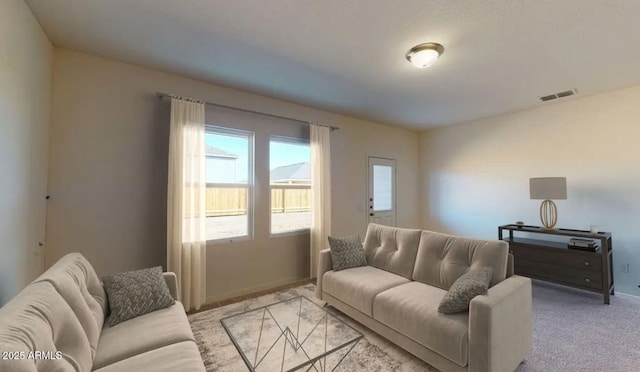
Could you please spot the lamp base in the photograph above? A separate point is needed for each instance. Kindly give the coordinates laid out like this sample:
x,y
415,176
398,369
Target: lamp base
x,y
548,214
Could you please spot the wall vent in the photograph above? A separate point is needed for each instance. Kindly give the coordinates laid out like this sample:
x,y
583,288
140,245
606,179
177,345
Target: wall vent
x,y
566,93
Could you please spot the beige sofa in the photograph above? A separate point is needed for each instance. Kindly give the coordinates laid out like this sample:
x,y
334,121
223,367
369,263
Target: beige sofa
x,y
398,293
64,311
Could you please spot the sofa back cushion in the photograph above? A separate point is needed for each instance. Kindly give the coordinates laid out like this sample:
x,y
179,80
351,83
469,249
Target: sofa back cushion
x,y
442,259
391,248
75,280
39,319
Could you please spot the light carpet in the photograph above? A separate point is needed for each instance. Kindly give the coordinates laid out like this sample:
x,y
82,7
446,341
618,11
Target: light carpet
x,y
573,331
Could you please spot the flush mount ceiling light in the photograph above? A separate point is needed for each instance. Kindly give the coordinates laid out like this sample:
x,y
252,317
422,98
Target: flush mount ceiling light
x,y
424,55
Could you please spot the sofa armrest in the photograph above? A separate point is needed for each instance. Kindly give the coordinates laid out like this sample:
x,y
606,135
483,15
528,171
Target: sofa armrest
x,y
324,265
172,283
510,271
500,326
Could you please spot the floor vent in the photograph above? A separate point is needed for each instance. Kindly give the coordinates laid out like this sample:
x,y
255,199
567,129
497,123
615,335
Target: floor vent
x,y
566,93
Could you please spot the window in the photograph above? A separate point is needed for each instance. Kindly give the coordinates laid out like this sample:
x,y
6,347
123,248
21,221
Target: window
x,y
229,170
382,188
290,181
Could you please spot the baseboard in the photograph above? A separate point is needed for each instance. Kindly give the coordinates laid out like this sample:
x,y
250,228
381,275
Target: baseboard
x,y
238,296
626,295
252,290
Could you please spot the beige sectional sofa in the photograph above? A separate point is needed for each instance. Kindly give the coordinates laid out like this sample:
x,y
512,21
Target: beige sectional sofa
x,y
64,310
398,293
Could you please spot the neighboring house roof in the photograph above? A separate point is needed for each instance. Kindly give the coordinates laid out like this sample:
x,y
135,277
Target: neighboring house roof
x,y
215,152
292,172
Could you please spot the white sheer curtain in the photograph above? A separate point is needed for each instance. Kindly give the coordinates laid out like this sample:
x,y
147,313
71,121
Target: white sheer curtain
x,y
320,192
186,209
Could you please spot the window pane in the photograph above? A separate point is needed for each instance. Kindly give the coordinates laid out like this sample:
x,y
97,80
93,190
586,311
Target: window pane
x,y
382,188
228,168
226,213
227,158
290,178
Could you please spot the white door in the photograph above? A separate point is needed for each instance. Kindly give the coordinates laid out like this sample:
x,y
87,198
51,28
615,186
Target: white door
x,y
382,191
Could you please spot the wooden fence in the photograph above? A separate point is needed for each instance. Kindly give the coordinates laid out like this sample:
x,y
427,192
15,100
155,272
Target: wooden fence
x,y
285,200
233,201
226,201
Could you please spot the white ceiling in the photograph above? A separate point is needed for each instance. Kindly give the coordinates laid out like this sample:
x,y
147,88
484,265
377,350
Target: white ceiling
x,y
348,55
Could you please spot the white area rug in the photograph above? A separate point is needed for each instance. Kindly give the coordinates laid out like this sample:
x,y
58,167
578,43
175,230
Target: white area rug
x,y
372,353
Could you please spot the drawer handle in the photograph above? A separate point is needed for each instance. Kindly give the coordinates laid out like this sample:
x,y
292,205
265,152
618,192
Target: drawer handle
x,y
587,280
586,263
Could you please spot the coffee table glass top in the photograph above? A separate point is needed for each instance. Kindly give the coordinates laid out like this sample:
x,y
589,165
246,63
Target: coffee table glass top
x,y
290,335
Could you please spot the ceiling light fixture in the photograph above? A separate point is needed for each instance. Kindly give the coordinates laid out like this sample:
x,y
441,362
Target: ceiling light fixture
x,y
424,55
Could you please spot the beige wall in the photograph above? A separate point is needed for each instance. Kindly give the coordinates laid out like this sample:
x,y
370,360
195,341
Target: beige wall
x,y
475,175
108,173
25,94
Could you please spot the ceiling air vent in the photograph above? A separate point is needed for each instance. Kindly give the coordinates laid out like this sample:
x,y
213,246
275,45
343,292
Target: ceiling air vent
x,y
566,93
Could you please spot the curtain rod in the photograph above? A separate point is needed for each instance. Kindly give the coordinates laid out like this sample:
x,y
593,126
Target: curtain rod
x,y
169,95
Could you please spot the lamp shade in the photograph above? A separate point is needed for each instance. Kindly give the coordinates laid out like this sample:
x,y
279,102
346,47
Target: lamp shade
x,y
551,188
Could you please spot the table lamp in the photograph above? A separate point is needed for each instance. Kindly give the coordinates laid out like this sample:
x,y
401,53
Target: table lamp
x,y
546,189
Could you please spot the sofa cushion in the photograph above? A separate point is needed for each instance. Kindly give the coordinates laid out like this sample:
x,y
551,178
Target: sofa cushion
x,y
134,293
392,249
442,259
347,252
474,283
358,286
141,334
412,309
78,284
39,319
183,356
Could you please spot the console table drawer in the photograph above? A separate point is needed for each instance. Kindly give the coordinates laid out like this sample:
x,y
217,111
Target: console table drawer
x,y
569,259
563,274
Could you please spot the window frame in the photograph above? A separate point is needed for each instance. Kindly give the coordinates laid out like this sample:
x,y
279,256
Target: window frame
x,y
290,140
250,185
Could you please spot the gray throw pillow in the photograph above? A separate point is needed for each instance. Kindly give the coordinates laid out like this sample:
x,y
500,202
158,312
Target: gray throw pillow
x,y
473,283
347,252
135,293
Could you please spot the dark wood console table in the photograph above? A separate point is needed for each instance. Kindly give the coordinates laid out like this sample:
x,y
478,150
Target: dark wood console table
x,y
553,261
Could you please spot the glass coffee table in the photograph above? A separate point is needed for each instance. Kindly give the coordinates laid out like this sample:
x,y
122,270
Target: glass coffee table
x,y
291,335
